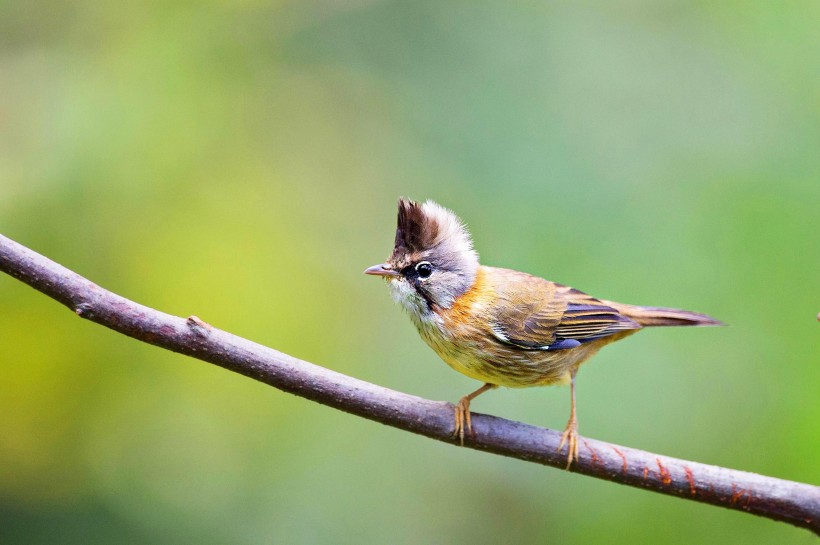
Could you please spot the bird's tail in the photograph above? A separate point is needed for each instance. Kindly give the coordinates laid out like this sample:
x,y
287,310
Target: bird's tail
x,y
659,316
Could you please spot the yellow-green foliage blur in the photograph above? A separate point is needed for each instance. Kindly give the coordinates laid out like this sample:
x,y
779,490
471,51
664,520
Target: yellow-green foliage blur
x,y
241,161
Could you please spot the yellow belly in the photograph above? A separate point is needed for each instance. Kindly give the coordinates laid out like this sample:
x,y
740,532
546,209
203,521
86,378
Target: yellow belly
x,y
483,358
489,361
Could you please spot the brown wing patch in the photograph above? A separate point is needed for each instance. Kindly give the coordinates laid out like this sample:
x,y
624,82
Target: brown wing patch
x,y
535,314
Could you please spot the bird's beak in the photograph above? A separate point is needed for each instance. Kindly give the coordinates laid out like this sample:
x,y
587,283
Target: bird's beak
x,y
382,269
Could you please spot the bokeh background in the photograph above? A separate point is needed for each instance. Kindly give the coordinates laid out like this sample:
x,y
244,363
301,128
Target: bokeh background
x,y
241,161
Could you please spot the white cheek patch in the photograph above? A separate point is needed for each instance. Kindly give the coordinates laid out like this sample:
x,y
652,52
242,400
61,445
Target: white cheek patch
x,y
401,291
404,294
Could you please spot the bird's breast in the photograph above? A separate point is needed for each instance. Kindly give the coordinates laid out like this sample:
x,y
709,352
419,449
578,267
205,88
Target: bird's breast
x,y
462,336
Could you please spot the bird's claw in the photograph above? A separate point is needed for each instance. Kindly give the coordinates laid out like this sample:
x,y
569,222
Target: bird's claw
x,y
570,438
462,420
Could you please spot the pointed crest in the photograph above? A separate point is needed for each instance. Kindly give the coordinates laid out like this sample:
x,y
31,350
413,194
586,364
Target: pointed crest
x,y
429,232
428,227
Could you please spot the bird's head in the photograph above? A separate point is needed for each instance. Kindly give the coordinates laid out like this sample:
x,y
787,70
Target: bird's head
x,y
433,261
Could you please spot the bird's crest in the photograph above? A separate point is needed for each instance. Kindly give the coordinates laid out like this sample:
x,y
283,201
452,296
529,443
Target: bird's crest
x,y
428,228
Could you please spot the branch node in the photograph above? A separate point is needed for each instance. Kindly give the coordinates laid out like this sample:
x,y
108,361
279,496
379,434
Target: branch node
x,y
199,327
84,310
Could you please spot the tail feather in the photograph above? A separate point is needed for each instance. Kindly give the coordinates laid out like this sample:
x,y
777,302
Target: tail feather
x,y
659,316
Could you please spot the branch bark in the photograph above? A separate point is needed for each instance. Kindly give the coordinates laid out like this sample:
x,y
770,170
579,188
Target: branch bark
x,y
777,499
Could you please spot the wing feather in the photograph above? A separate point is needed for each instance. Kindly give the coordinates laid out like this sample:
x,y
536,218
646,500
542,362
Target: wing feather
x,y
536,314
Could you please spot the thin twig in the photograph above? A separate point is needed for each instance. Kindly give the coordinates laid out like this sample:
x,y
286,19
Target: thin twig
x,y
778,499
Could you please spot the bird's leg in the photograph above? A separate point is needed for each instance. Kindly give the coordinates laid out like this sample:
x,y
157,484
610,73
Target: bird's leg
x,y
570,435
462,412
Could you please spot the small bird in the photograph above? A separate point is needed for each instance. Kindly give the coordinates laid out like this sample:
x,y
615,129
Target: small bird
x,y
499,326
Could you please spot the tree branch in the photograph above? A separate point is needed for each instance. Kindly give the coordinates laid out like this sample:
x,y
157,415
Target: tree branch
x,y
777,499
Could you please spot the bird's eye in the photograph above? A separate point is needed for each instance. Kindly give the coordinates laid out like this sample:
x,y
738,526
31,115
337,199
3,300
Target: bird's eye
x,y
424,269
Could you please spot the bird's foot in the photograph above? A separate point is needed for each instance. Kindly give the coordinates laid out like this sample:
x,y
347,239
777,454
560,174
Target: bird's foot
x,y
570,438
462,419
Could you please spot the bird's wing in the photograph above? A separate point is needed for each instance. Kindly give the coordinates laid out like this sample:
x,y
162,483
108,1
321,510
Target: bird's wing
x,y
536,314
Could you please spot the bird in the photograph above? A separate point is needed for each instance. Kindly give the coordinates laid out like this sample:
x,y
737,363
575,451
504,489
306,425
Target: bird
x,y
500,326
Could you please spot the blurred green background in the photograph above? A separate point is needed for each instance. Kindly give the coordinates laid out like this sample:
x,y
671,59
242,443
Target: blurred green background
x,y
241,161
